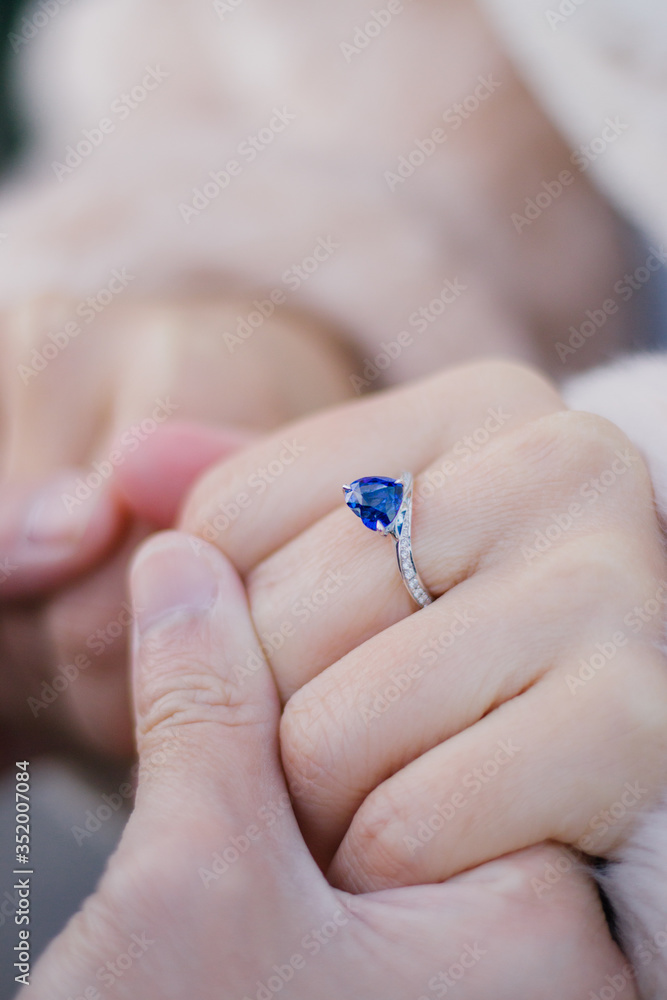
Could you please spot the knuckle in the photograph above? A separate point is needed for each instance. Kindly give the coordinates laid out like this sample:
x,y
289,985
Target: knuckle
x,y
179,688
599,575
581,445
380,830
522,379
269,587
308,753
210,511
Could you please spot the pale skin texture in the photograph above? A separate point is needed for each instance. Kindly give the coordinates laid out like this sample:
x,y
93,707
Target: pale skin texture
x,y
516,307
90,402
179,931
549,453
523,289
511,627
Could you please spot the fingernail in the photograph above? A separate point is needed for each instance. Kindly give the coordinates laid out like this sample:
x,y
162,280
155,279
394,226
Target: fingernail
x,y
171,577
59,514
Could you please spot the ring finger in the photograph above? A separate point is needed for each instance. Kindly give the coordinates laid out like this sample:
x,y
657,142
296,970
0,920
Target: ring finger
x,y
335,586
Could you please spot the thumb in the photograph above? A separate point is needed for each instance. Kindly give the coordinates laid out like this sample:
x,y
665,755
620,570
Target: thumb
x,y
206,705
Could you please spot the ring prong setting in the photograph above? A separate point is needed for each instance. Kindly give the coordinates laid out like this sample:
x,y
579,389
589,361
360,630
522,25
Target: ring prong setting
x,y
385,506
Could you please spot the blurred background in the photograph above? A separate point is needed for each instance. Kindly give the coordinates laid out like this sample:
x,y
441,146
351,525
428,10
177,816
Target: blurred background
x,y
10,129
63,790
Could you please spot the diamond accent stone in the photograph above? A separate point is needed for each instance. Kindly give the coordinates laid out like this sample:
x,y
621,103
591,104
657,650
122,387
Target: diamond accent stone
x,y
384,505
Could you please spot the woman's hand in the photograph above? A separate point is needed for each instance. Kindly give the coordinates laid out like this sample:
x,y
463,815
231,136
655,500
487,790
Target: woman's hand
x,y
82,419
212,892
528,703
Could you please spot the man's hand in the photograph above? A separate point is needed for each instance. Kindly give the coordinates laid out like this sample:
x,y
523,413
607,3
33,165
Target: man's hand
x,y
212,891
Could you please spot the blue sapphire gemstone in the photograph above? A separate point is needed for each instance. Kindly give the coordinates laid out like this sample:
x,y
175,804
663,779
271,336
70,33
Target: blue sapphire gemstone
x,y
375,499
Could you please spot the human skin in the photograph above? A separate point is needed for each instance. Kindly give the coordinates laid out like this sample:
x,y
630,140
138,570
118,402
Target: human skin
x,y
629,722
542,546
169,919
534,304
63,589
453,220
596,958
325,176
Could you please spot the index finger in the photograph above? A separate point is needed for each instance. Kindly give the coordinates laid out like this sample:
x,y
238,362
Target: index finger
x,y
255,503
